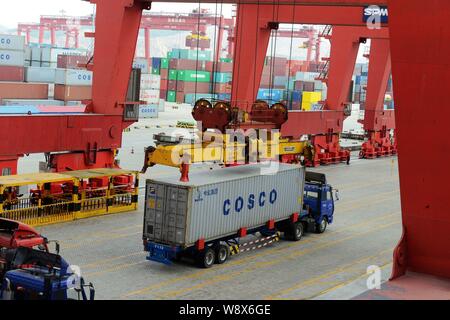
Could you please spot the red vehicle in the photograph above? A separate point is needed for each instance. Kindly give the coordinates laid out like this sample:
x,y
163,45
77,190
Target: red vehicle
x,y
14,234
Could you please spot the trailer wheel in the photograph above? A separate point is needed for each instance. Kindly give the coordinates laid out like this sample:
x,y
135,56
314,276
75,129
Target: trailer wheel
x,y
206,258
295,231
222,253
322,226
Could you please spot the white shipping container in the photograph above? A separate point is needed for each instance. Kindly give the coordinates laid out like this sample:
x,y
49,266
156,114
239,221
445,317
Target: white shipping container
x,y
27,53
217,203
150,96
143,64
73,103
73,77
46,54
161,105
40,74
12,58
26,102
51,90
12,42
306,76
150,81
36,54
148,111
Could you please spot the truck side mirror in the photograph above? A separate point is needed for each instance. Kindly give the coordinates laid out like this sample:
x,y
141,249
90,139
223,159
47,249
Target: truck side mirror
x,y
336,195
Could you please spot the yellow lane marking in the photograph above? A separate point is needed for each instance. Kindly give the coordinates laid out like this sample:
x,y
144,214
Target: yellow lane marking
x,y
315,280
342,284
83,244
102,261
124,266
101,233
230,276
242,261
364,202
115,268
359,185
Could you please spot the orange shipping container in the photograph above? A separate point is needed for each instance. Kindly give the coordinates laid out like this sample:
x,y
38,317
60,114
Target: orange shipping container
x,y
22,90
72,93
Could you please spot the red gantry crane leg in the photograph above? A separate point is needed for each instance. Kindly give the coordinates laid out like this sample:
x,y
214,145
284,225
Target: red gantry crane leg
x,y
378,123
421,77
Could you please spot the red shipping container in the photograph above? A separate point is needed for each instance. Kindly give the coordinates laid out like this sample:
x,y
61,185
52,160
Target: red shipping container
x,y
163,84
164,73
224,67
71,62
184,64
276,61
222,88
304,86
180,97
172,85
23,90
9,73
199,87
163,94
72,93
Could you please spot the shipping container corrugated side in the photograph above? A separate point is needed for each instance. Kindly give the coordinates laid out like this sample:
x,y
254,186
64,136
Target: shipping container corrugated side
x,y
216,204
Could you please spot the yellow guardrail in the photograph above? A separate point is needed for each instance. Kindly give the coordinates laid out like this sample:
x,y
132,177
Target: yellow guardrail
x,y
38,210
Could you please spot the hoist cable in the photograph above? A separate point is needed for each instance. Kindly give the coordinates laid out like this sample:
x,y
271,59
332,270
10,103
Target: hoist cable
x,y
290,92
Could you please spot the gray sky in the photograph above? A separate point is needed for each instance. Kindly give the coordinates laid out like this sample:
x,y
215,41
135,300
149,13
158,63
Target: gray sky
x,y
13,12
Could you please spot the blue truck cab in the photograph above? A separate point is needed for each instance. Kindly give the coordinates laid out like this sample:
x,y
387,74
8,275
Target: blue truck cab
x,y
40,275
318,201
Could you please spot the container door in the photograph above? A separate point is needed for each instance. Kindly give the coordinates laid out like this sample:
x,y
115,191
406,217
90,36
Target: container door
x,y
154,211
175,213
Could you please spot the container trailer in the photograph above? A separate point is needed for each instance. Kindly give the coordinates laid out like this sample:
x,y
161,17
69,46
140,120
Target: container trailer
x,y
206,217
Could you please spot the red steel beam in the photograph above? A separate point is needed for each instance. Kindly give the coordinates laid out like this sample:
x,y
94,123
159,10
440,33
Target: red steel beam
x,y
375,117
421,77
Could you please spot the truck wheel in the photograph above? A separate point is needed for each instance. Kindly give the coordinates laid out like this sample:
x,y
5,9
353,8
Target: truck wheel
x,y
297,231
294,232
322,226
222,253
205,258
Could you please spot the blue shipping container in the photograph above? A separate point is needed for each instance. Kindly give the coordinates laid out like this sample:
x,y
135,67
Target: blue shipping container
x,y
270,94
222,77
224,96
18,109
156,63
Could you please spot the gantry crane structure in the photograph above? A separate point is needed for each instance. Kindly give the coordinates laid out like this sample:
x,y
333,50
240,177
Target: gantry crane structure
x,y
196,23
418,68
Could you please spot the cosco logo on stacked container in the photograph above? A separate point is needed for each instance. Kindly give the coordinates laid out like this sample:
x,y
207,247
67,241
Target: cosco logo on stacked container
x,y
236,205
5,56
84,77
5,41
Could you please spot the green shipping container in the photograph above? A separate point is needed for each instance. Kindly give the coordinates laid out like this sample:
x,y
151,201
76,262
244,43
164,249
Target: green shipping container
x,y
155,71
164,63
226,60
193,76
173,74
171,96
192,54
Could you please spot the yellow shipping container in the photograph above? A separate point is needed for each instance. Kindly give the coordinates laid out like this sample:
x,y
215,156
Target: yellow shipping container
x,y
306,106
309,96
